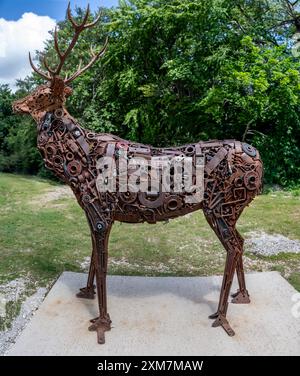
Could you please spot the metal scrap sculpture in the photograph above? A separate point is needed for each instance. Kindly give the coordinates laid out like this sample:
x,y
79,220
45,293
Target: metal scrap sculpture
x,y
232,178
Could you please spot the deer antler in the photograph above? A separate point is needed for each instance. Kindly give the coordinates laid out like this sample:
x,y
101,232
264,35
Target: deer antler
x,y
79,28
38,71
94,58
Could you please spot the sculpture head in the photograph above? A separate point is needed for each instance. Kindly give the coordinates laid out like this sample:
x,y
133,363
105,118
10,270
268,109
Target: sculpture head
x,y
53,95
45,98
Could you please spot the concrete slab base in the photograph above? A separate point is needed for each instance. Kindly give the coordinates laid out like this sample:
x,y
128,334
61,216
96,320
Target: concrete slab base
x,y
165,316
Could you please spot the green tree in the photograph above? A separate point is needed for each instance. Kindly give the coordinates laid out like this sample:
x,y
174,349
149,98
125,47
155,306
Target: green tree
x,y
18,152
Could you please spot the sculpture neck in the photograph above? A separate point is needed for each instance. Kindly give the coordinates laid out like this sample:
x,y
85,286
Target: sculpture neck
x,y
39,115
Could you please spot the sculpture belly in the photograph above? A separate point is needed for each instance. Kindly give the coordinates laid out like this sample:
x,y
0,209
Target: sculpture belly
x,y
171,200
141,207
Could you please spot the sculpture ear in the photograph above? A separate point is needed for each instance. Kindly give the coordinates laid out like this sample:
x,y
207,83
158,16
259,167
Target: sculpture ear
x,y
67,91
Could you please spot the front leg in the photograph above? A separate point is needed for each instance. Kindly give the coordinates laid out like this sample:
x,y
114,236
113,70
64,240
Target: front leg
x,y
102,323
100,214
88,292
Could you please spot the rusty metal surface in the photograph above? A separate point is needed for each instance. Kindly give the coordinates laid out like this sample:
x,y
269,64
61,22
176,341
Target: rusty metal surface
x,y
232,178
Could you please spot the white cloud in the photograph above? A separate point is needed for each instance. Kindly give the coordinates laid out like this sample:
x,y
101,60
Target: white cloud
x,y
17,38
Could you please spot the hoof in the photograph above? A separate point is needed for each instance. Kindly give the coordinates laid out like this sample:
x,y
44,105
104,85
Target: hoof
x,y
240,297
100,325
86,293
222,321
213,316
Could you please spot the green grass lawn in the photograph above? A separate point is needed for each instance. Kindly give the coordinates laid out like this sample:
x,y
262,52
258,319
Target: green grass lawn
x,y
41,236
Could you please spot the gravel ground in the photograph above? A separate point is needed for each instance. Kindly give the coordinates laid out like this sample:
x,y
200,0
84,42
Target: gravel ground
x,y
269,245
50,196
12,291
85,264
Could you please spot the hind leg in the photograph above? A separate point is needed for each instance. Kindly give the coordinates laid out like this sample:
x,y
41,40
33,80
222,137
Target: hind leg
x,y
241,296
88,292
229,237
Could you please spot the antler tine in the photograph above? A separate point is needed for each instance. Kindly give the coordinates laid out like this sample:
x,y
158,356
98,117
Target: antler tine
x,y
82,25
92,52
91,24
45,62
94,58
41,73
71,19
56,43
78,69
79,65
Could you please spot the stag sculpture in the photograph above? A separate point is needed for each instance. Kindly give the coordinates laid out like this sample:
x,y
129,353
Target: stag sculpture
x,y
231,178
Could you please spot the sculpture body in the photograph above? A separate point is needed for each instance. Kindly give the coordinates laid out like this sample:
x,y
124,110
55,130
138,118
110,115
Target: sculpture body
x,y
232,178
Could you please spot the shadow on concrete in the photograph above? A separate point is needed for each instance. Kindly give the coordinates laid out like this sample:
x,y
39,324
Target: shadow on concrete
x,y
199,291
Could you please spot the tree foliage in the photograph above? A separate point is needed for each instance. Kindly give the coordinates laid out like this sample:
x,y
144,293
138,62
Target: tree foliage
x,y
178,71
18,152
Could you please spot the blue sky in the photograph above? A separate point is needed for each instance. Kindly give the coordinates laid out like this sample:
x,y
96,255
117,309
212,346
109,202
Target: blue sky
x,y
13,9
